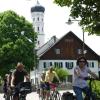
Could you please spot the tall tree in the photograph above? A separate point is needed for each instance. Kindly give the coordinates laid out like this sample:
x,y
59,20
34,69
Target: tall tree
x,y
87,10
17,41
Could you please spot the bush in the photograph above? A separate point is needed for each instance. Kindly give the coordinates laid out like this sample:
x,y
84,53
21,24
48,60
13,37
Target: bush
x,y
96,88
62,74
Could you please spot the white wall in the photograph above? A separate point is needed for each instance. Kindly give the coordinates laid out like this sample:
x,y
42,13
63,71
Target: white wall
x,y
41,67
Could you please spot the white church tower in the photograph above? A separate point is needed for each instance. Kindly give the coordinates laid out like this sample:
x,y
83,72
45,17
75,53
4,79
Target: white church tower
x,y
37,13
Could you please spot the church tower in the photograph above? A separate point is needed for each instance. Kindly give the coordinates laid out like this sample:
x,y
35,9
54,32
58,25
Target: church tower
x,y
37,13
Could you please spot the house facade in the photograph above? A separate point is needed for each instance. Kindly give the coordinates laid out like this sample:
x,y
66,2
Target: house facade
x,y
63,53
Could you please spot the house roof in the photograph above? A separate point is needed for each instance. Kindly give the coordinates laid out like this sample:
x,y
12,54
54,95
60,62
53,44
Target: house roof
x,y
70,32
47,46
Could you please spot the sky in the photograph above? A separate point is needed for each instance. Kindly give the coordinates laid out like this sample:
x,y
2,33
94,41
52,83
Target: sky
x,y
55,18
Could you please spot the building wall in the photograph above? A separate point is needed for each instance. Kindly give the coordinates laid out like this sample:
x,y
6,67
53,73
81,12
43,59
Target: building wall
x,y
35,75
66,64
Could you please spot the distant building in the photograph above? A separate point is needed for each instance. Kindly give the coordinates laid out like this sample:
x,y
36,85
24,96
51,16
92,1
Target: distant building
x,y
37,13
63,53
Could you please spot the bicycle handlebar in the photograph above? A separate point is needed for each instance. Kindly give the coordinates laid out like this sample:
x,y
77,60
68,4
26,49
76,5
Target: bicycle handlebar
x,y
91,78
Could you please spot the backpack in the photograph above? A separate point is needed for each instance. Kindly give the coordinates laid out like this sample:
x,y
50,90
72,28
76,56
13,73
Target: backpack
x,y
67,96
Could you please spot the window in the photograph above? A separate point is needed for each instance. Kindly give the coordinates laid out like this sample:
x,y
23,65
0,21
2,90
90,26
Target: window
x,y
55,64
37,28
69,65
38,18
44,64
42,29
79,51
58,64
50,63
91,64
57,51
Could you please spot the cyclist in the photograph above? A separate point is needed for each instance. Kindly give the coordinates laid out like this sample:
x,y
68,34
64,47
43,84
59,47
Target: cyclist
x,y
80,85
5,85
42,85
18,77
50,74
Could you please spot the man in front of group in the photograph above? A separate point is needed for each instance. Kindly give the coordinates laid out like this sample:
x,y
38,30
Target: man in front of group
x,y
18,77
50,74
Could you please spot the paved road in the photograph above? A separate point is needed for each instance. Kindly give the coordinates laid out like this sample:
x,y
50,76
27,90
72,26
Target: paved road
x,y
34,95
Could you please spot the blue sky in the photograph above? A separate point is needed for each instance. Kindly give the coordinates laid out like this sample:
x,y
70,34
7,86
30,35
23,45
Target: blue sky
x,y
54,19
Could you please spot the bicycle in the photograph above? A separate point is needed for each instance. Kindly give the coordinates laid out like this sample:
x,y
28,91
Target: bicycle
x,y
8,95
42,94
54,93
24,89
92,93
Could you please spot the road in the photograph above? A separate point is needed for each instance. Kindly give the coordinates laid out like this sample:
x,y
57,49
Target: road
x,y
34,95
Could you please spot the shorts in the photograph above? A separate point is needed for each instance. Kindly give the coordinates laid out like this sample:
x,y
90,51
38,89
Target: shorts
x,y
42,85
47,86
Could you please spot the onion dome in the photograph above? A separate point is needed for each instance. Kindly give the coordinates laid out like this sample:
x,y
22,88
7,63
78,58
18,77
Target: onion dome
x,y
38,8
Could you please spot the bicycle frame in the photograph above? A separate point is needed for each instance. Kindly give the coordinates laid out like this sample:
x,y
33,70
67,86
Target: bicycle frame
x,y
54,94
93,95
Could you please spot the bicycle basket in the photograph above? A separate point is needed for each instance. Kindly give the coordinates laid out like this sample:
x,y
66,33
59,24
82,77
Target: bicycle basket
x,y
25,88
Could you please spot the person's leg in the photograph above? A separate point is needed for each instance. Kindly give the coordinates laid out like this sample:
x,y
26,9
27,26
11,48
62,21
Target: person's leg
x,y
16,94
78,92
87,91
47,86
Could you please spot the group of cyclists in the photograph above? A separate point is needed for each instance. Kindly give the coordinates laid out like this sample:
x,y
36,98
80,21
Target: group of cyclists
x,y
46,82
80,85
13,80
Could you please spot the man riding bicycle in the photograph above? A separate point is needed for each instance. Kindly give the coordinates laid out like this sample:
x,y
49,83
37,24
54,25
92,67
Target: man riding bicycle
x,y
50,74
18,77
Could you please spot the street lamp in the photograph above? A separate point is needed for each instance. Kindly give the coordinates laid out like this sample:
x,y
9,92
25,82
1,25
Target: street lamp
x,y
69,22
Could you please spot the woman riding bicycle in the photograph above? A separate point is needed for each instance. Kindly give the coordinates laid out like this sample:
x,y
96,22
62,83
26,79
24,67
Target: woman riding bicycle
x,y
50,74
80,85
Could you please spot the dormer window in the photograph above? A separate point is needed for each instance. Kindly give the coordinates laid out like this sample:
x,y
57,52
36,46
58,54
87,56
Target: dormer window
x,y
57,51
79,51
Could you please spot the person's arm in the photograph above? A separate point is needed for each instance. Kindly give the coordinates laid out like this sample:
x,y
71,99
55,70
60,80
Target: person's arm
x,y
27,78
78,73
13,80
57,77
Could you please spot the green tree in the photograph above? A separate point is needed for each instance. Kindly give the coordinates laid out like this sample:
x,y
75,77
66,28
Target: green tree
x,y
62,74
17,41
87,10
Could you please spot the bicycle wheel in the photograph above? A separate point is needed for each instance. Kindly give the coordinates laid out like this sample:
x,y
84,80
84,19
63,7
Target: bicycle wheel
x,y
42,94
22,97
58,96
55,96
51,97
7,97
